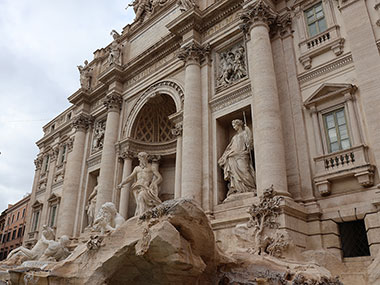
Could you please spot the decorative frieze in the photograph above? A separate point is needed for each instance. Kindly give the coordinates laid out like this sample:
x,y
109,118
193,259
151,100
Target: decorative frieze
x,y
232,65
177,130
230,98
113,102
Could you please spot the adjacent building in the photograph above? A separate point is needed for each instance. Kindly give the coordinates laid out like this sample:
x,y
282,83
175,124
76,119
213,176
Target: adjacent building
x,y
302,74
12,226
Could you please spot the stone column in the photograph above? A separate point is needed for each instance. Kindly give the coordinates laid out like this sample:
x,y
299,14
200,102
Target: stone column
x,y
127,156
107,164
72,176
192,124
267,129
177,131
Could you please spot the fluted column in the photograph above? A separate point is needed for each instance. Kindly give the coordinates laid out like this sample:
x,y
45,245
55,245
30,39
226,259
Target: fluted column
x,y
177,131
71,182
192,124
127,156
268,138
107,165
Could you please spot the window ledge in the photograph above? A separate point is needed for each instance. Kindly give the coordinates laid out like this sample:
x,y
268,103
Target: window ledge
x,y
323,42
344,163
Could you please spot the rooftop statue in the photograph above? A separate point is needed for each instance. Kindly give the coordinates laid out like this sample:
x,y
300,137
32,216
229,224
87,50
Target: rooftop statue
x,y
114,56
145,188
85,75
235,161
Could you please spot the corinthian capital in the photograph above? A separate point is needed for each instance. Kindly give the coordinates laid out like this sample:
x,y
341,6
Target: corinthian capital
x,y
113,102
257,13
81,122
193,53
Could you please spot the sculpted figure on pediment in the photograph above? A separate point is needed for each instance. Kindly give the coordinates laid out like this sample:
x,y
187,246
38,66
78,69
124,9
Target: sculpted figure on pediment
x,y
236,162
145,188
85,75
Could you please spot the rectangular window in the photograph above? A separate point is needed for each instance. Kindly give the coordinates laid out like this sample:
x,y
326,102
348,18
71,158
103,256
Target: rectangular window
x,y
18,216
14,234
13,218
315,20
19,233
336,130
35,221
353,237
46,163
53,213
63,156
9,236
23,213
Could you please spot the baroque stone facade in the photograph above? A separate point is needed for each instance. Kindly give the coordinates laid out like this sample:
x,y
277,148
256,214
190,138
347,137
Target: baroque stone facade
x,y
301,77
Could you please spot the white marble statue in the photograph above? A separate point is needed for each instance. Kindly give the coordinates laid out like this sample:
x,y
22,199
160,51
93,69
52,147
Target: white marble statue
x,y
107,219
235,161
92,204
145,188
114,56
56,250
141,7
21,254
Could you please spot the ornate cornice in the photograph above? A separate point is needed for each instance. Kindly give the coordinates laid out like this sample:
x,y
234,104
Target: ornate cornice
x,y
256,14
82,122
113,102
193,53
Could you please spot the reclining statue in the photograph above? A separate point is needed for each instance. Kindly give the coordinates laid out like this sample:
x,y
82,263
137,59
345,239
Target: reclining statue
x,y
21,254
56,250
107,219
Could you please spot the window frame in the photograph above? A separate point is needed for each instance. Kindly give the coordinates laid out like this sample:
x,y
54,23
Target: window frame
x,y
316,21
334,110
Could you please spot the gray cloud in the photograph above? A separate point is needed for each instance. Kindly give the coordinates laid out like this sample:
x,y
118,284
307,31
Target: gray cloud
x,y
41,44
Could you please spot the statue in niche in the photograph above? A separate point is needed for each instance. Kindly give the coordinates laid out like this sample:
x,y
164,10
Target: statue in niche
x,y
232,66
107,219
236,163
99,132
21,254
90,208
185,5
56,250
114,56
85,75
145,188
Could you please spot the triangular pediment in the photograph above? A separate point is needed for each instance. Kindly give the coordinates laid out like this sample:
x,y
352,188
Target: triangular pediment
x,y
329,90
53,197
37,204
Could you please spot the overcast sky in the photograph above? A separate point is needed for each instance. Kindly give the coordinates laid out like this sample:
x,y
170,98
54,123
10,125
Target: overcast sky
x,y
41,43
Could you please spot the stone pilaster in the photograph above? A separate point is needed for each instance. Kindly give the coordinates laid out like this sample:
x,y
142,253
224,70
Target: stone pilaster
x,y
191,187
127,157
113,103
268,139
66,219
177,131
